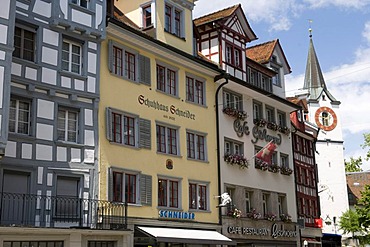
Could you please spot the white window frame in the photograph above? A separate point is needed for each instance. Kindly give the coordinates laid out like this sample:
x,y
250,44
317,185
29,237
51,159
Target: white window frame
x,y
270,114
17,121
122,130
66,127
82,3
137,185
172,19
179,192
166,138
281,118
284,160
232,100
257,110
70,62
207,201
233,147
196,143
265,204
22,48
248,201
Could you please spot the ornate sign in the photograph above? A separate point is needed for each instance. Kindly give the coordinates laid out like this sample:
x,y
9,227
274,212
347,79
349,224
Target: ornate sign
x,y
261,134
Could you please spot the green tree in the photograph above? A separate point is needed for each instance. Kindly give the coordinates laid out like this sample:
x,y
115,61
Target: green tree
x,y
366,145
353,165
349,223
363,208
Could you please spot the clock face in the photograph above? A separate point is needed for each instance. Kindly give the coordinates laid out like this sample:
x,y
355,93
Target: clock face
x,y
325,118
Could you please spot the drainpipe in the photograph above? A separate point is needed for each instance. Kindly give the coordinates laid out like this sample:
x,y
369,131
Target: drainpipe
x,y
225,76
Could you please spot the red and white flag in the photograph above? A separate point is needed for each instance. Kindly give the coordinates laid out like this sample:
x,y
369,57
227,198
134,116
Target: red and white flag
x,y
266,152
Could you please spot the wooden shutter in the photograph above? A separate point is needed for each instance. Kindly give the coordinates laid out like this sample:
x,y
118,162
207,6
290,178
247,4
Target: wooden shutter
x,y
144,70
108,123
146,189
144,133
110,55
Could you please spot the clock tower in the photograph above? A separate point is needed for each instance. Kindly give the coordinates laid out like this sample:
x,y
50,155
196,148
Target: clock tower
x,y
324,111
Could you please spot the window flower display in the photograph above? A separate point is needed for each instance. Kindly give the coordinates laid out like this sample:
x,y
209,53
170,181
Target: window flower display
x,y
236,159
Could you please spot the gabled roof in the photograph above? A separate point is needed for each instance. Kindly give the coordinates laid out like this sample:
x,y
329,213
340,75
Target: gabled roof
x,y
216,15
314,79
300,102
227,13
262,53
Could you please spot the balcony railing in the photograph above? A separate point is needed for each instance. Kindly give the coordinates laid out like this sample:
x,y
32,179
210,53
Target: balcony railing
x,y
61,212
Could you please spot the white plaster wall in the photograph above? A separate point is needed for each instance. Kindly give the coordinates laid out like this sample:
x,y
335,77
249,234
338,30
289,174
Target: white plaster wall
x,y
4,34
66,82
98,15
91,84
49,56
75,155
50,37
92,62
89,137
11,149
49,76
31,73
26,151
5,9
45,109
81,18
61,154
44,152
1,86
44,131
88,117
16,69
79,85
42,8
2,55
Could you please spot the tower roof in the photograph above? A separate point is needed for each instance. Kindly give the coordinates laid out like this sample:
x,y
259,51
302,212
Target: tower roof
x,y
314,79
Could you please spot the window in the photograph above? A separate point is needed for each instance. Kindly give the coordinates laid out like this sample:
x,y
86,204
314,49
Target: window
x,y
270,114
124,187
124,129
233,147
248,198
257,110
117,61
19,116
253,77
231,192
198,196
195,146
166,80
233,55
265,206
127,67
167,140
67,125
67,194
284,161
35,243
194,90
173,20
232,100
168,193
147,16
325,118
276,79
281,118
71,56
281,206
82,3
274,158
24,44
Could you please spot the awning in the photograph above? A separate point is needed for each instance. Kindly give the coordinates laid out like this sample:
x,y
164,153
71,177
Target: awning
x,y
190,236
311,240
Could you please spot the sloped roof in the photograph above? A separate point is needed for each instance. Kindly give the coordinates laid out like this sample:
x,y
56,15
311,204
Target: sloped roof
x,y
216,15
300,102
356,182
262,53
119,15
314,79
227,13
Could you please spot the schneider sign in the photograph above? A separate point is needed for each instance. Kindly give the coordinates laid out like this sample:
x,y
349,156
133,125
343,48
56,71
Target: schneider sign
x,y
276,231
161,107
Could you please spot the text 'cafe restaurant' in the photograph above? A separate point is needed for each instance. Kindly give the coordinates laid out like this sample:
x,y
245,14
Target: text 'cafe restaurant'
x,y
174,228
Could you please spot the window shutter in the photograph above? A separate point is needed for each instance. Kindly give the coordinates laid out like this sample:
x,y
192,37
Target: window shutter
x,y
144,70
144,133
110,55
110,184
146,189
108,123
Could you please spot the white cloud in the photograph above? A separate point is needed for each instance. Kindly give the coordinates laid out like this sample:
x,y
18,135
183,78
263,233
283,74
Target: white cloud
x,y
357,4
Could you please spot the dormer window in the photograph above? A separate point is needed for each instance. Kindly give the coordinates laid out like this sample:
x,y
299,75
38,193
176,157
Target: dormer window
x,y
173,20
147,16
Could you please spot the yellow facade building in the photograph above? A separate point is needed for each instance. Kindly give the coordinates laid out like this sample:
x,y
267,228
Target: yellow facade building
x,y
157,112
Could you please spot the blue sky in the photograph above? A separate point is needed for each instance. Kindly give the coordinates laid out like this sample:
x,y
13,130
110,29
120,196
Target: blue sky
x,y
341,36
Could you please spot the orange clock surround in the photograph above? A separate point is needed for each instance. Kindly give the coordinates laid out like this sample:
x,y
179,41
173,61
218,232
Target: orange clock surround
x,y
331,113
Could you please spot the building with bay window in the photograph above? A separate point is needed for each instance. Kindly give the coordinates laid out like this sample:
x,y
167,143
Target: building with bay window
x,y
252,112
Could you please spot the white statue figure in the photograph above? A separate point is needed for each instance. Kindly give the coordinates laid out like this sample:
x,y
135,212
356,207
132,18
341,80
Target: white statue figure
x,y
225,199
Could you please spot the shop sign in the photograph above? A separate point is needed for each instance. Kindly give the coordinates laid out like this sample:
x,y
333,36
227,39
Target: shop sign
x,y
175,111
241,127
276,231
168,214
261,134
